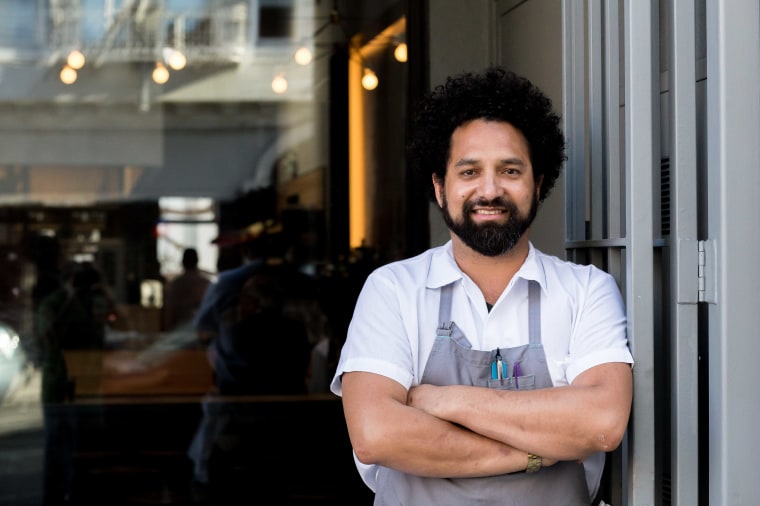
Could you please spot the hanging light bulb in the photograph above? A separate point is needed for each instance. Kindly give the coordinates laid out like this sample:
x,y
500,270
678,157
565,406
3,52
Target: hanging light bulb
x,y
75,59
160,73
176,60
303,55
68,75
400,53
279,84
369,80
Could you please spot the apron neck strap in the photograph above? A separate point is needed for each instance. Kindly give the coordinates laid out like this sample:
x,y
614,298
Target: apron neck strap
x,y
444,309
534,310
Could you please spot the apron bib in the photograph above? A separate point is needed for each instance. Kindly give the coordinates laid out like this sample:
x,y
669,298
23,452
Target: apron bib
x,y
452,361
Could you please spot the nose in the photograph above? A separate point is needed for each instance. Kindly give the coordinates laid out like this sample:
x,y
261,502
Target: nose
x,y
490,187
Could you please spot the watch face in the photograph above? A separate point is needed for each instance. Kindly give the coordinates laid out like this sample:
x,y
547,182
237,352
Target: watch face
x,y
534,463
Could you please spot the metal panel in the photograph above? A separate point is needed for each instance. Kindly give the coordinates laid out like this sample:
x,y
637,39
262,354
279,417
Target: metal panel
x,y
641,87
733,102
612,142
612,119
574,117
683,259
597,192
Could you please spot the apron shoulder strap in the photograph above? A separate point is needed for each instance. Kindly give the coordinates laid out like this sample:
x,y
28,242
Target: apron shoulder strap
x,y
444,310
534,311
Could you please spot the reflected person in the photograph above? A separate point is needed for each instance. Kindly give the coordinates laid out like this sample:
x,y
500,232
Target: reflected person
x,y
72,318
185,292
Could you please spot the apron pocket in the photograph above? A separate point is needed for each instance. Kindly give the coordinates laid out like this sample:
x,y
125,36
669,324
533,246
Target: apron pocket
x,y
512,383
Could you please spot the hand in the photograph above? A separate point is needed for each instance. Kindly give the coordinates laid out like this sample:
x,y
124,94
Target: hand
x,y
545,462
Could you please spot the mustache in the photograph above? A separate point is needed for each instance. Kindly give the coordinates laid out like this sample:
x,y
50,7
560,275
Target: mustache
x,y
497,202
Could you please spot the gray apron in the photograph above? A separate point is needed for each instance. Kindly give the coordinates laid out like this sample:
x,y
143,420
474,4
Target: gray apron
x,y
452,361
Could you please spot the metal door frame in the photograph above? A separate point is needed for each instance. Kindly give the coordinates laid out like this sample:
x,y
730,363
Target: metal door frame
x,y
614,220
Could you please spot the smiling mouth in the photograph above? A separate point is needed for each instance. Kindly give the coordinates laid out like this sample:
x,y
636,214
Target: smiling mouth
x,y
489,212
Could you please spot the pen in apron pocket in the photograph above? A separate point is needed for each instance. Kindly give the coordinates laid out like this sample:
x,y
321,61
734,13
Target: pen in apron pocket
x,y
498,368
516,373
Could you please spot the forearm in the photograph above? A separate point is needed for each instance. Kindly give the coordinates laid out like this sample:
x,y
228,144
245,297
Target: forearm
x,y
533,422
385,431
565,423
423,445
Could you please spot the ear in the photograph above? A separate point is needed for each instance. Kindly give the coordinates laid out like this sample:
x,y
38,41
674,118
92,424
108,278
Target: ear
x,y
538,185
438,186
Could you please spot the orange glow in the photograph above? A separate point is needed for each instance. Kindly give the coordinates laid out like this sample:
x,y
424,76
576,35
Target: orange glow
x,y
357,162
401,52
369,80
357,168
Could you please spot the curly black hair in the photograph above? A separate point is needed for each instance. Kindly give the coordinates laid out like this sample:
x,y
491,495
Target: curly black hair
x,y
493,95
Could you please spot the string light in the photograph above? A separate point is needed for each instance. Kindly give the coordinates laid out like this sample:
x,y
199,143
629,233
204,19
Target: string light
x,y
177,60
369,80
160,73
75,59
400,53
303,55
279,84
68,75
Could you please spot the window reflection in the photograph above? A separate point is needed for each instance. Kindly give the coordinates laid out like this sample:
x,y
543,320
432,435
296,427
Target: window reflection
x,y
14,30
141,354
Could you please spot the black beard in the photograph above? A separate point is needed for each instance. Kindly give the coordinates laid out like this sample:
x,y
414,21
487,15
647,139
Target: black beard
x,y
490,239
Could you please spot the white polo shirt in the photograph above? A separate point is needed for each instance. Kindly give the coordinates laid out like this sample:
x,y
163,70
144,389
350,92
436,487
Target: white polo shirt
x,y
583,321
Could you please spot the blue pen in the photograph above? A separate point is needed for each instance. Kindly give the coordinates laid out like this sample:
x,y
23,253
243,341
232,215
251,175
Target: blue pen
x,y
498,368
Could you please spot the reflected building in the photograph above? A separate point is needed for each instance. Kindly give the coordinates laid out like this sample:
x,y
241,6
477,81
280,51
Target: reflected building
x,y
134,130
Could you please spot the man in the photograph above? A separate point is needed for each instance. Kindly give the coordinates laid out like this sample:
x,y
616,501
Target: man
x,y
223,295
185,292
484,371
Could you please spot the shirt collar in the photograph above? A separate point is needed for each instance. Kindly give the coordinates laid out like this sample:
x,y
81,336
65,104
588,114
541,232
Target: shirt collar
x,y
533,268
444,269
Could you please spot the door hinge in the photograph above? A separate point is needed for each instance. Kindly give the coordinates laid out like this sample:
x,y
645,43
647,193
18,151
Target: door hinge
x,y
701,271
706,271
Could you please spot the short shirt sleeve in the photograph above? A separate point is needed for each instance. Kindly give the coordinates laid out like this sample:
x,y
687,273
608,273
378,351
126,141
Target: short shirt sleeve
x,y
378,339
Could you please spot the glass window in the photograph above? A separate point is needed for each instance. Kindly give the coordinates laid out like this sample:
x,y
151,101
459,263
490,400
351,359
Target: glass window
x,y
16,18
177,270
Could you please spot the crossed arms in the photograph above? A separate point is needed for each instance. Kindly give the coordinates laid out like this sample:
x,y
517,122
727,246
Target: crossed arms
x,y
465,431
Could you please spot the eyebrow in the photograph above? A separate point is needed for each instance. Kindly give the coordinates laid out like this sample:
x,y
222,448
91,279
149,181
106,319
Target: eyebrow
x,y
472,161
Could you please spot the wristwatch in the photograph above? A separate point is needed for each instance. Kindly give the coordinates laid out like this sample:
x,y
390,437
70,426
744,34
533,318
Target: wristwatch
x,y
534,463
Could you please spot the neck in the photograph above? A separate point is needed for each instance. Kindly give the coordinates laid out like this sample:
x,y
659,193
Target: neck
x,y
490,274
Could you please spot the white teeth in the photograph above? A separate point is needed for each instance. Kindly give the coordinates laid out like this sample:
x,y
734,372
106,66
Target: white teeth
x,y
486,211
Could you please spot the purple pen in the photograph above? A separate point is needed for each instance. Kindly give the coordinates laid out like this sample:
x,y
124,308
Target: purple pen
x,y
516,372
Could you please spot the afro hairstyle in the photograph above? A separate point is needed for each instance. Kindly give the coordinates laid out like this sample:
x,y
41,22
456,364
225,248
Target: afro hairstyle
x,y
493,95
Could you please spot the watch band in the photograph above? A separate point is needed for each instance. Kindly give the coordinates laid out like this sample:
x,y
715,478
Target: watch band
x,y
534,463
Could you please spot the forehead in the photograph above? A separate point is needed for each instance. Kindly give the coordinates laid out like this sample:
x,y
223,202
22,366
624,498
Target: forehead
x,y
484,137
